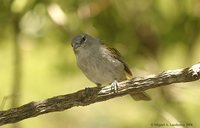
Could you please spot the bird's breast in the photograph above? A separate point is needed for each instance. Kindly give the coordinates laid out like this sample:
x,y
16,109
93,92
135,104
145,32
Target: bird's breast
x,y
101,68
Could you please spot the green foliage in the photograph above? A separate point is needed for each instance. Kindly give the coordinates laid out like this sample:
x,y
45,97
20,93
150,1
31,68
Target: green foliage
x,y
153,36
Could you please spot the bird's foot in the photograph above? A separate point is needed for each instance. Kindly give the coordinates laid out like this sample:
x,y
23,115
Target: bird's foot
x,y
114,86
88,92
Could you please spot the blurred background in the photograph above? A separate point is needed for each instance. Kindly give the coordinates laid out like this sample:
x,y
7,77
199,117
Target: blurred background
x,y
37,61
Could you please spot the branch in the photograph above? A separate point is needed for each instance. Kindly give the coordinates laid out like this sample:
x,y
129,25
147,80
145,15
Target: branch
x,y
92,95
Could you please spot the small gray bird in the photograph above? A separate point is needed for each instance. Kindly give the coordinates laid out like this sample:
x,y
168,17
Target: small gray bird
x,y
101,64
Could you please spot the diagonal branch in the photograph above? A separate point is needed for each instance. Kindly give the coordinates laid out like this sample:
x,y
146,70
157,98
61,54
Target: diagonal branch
x,y
92,95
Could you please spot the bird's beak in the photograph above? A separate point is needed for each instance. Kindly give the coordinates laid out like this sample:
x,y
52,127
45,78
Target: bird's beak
x,y
75,45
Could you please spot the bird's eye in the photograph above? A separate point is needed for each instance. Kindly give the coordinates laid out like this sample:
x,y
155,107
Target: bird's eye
x,y
83,39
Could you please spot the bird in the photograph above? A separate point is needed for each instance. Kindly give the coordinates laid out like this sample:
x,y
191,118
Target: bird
x,y
102,64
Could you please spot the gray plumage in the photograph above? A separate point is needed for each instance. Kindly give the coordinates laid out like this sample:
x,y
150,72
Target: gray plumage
x,y
101,64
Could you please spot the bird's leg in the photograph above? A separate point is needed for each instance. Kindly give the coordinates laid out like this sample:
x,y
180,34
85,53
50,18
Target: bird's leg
x,y
114,86
98,85
87,92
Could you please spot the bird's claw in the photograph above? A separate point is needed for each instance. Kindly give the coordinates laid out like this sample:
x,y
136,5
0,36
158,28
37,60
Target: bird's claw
x,y
114,86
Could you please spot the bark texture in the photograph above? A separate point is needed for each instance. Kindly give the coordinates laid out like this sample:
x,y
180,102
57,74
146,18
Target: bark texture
x,y
92,95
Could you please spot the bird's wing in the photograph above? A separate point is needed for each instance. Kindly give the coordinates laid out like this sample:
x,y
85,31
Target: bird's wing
x,y
115,54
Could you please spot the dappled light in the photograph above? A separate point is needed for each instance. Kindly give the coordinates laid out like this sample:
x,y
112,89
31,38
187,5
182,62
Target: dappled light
x,y
37,60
